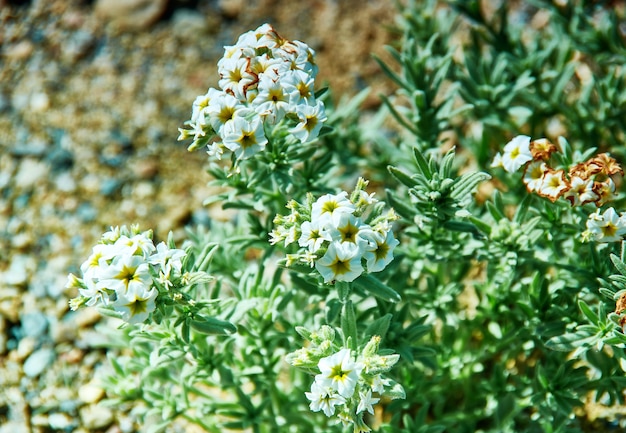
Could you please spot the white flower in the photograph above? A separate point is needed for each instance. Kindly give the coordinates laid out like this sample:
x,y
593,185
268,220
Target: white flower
x,y
126,273
313,235
221,109
324,398
497,161
342,262
379,252
331,206
608,227
350,229
580,191
533,175
312,118
516,153
339,372
136,304
235,77
378,384
553,185
244,137
272,101
139,244
100,256
299,86
366,402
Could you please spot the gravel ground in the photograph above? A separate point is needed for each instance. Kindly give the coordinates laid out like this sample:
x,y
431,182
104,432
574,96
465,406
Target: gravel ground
x,y
91,96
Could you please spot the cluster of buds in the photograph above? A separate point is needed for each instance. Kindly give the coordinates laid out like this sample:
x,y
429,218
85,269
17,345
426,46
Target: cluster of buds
x,y
126,272
341,235
605,227
590,181
347,383
265,80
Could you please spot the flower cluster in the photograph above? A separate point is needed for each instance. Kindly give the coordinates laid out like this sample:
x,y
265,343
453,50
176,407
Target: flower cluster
x,y
265,80
341,235
125,272
605,227
347,384
586,182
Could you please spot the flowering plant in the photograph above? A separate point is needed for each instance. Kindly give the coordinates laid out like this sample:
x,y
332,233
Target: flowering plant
x,y
488,295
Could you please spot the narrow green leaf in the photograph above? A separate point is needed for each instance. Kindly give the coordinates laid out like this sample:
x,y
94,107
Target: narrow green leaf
x,y
379,326
372,285
422,164
401,176
401,207
348,324
593,317
213,326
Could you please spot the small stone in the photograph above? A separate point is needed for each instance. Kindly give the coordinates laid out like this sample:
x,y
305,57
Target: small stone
x,y
146,169
231,8
15,427
9,302
60,159
96,417
65,182
20,51
19,270
110,186
62,332
25,347
22,241
86,317
60,421
131,14
90,393
30,172
34,324
39,102
39,420
38,361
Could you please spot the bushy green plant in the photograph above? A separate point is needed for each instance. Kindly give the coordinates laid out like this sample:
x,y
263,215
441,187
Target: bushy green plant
x,y
479,284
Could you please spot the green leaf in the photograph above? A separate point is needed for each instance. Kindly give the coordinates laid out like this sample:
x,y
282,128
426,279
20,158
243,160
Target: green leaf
x,y
372,285
466,183
213,326
401,176
379,326
401,207
422,164
348,324
619,265
593,317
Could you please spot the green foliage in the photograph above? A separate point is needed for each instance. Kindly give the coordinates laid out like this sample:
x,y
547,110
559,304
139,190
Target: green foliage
x,y
495,315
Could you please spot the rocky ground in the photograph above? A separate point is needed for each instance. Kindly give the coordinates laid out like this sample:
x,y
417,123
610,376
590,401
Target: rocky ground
x,y
91,96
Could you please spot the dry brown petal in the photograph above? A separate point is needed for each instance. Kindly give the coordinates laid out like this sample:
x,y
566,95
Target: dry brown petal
x,y
608,164
541,148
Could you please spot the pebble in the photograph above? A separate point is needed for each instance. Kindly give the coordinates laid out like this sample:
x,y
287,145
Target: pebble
x,y
65,182
60,159
60,421
131,14
38,361
31,171
19,51
110,186
9,302
20,268
34,324
25,347
231,8
95,416
90,393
